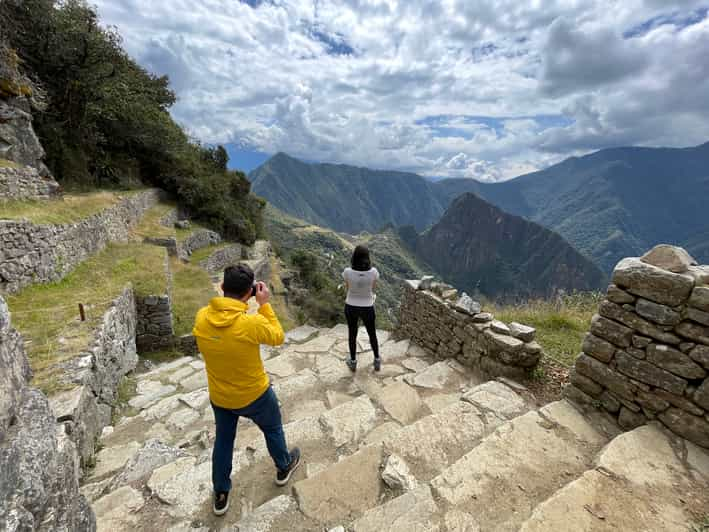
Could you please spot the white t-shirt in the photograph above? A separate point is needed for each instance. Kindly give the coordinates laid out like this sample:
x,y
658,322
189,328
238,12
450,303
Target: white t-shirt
x,y
360,285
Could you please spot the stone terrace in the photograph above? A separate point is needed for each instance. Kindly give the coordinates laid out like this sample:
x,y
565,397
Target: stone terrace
x,y
423,445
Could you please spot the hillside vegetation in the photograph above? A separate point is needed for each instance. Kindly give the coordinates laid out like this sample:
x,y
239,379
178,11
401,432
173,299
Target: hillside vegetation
x,y
104,121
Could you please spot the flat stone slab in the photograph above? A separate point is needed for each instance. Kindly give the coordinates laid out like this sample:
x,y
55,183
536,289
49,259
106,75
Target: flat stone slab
x,y
195,382
164,369
350,421
433,442
336,398
183,485
295,385
437,377
597,501
263,517
116,511
296,432
415,364
197,400
394,350
413,511
439,401
343,491
320,344
111,459
149,392
301,334
281,366
307,408
163,408
181,373
400,401
495,397
182,418
150,456
380,433
512,470
331,369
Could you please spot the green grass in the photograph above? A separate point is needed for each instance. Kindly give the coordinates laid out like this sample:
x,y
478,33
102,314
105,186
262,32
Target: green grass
x,y
125,392
47,315
192,289
701,526
68,209
4,163
561,325
150,225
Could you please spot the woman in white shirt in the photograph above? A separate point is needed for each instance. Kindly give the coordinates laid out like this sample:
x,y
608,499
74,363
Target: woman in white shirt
x,y
360,280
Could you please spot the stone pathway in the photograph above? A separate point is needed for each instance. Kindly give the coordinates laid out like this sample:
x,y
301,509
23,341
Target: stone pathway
x,y
423,445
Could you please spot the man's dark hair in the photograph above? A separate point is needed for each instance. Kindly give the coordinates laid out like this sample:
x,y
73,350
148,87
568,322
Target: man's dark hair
x,y
360,259
238,280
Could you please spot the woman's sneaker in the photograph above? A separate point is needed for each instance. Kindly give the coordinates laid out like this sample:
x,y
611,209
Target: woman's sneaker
x,y
221,502
352,364
377,363
282,477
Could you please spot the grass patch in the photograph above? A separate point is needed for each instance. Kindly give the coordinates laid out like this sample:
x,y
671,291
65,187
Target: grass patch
x,y
561,324
150,225
68,209
47,315
192,289
4,163
125,392
702,525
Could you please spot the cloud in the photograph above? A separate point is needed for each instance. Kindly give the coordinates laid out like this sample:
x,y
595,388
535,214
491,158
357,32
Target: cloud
x,y
448,88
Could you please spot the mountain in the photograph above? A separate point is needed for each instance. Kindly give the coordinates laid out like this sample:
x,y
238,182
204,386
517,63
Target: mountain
x,y
613,203
479,248
609,204
347,198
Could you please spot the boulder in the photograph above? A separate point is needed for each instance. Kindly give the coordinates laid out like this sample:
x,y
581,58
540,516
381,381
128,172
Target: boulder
x,y
670,258
523,332
466,304
653,283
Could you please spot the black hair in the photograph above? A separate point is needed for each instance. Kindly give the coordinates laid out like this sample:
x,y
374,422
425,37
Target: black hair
x,y
360,259
238,280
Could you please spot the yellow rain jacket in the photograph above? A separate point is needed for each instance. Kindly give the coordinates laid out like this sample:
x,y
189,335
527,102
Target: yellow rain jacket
x,y
229,339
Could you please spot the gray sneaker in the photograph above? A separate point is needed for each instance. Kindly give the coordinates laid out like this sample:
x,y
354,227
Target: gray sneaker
x,y
282,477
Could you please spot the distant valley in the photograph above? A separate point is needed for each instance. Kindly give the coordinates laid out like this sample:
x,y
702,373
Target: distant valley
x,y
610,204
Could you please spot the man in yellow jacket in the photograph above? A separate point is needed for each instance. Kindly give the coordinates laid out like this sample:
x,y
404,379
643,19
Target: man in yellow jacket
x,y
229,340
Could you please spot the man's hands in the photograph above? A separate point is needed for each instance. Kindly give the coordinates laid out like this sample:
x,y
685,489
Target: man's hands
x,y
263,295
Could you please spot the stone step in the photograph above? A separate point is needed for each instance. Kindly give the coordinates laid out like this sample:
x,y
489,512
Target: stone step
x,y
346,490
513,469
640,482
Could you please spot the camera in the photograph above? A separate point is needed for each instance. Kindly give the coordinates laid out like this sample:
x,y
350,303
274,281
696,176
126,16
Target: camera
x,y
253,289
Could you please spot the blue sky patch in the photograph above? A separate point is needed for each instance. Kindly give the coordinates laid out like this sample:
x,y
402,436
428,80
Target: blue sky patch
x,y
676,18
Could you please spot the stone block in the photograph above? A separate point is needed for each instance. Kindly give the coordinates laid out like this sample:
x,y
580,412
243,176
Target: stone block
x,y
499,327
589,386
700,298
630,420
660,314
651,401
674,361
670,258
632,320
649,374
679,402
698,315
522,332
605,376
701,396
616,295
609,330
652,282
641,342
598,348
694,332
693,428
700,354
609,402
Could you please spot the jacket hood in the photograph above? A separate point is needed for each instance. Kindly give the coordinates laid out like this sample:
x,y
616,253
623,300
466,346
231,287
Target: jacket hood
x,y
223,311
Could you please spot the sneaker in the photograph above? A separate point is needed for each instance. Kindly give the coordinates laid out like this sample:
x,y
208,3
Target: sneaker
x,y
352,364
282,477
221,502
377,364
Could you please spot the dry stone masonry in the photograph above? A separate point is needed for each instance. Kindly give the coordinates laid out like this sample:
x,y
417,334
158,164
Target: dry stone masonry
x,y
25,183
39,463
154,329
200,238
36,253
647,354
434,317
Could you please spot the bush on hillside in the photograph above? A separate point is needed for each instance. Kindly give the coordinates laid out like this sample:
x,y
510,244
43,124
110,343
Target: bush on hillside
x,y
320,302
107,122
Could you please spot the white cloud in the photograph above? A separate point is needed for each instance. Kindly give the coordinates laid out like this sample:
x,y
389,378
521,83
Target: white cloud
x,y
486,89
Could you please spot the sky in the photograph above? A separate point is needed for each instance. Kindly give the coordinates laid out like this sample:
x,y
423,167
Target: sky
x,y
451,88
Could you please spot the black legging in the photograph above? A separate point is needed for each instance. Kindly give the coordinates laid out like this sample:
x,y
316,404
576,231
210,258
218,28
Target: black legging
x,y
353,314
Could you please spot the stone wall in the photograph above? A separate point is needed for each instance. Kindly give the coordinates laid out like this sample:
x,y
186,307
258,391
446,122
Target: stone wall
x,y
224,257
95,374
155,330
25,183
434,317
32,253
647,354
39,484
200,238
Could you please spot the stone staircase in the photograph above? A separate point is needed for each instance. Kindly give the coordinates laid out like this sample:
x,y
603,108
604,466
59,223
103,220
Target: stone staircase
x,y
423,445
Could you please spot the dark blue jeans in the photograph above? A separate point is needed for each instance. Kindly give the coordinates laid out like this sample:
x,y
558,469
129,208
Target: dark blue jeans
x,y
265,412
